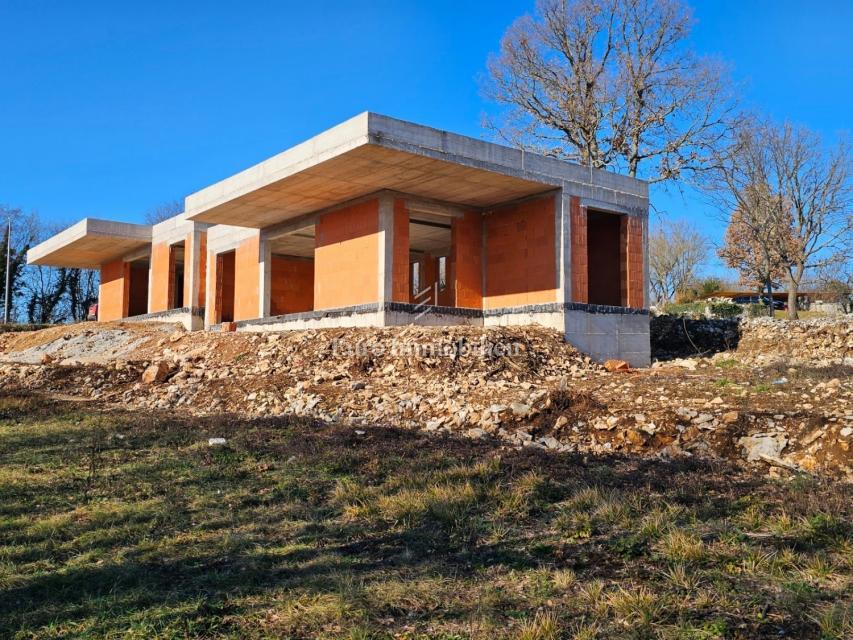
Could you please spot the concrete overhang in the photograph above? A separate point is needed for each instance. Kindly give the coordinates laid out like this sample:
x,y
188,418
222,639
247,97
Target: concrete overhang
x,y
90,243
370,153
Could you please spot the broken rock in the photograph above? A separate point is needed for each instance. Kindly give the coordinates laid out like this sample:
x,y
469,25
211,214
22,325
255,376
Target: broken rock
x,y
761,446
155,373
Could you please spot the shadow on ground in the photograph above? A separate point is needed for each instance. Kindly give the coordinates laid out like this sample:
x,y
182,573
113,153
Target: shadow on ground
x,y
127,524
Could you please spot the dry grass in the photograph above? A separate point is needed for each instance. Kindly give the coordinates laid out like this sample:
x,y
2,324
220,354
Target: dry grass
x,y
128,525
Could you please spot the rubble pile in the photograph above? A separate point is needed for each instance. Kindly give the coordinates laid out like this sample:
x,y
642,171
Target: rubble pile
x,y
521,386
819,341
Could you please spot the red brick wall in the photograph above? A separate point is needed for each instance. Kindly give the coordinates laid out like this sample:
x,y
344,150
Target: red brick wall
x,y
138,290
521,259
161,277
635,263
466,261
292,285
400,279
247,279
579,251
346,258
113,291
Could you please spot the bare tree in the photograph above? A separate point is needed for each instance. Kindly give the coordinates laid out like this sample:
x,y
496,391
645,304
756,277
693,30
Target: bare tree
x,y
24,234
611,83
164,211
676,250
792,194
82,291
815,185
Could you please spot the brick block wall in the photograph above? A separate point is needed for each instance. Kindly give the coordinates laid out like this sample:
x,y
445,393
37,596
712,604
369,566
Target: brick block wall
x,y
400,285
346,257
635,262
247,279
113,291
291,285
580,283
161,277
466,261
521,259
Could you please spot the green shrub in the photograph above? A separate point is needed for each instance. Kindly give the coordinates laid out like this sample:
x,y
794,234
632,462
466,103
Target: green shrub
x,y
755,310
684,308
726,309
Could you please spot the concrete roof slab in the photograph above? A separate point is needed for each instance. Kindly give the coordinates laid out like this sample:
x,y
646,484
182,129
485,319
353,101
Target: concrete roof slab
x,y
90,243
370,153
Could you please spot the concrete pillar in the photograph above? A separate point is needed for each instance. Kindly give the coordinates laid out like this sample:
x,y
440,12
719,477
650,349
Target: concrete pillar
x,y
264,276
385,254
562,236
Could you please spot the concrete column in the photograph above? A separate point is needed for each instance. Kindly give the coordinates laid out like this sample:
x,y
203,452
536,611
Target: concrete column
x,y
386,248
563,237
264,276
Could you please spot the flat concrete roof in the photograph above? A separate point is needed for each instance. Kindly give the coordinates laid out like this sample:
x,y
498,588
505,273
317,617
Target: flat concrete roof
x,y
372,152
90,243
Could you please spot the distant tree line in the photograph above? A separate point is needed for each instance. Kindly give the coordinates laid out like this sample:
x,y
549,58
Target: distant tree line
x,y
41,295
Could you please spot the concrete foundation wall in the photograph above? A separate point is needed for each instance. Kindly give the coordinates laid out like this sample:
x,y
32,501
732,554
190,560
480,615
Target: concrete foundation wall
x,y
602,336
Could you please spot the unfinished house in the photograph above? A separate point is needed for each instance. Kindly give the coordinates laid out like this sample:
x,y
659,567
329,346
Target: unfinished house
x,y
380,222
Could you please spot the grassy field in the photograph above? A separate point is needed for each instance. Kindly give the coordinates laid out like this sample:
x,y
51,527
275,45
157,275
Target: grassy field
x,y
130,525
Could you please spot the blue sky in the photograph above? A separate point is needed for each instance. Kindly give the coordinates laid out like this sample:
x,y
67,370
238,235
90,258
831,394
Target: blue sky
x,y
108,109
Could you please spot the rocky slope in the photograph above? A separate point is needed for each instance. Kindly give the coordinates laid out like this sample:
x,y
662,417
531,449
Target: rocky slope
x,y
782,399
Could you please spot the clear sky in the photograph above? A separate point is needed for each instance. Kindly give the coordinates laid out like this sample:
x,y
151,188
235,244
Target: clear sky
x,y
108,109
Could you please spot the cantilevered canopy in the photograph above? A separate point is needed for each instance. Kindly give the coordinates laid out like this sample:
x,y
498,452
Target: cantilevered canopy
x,y
370,153
90,243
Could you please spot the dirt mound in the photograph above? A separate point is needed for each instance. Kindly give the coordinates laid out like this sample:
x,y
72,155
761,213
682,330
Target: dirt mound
x,y
522,386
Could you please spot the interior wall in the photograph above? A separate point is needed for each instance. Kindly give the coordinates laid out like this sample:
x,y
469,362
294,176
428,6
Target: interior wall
x,y
225,284
346,256
521,256
466,260
291,285
604,270
113,291
138,290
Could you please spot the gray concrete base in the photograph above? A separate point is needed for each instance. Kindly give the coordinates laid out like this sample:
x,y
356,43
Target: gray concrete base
x,y
602,336
192,319
601,332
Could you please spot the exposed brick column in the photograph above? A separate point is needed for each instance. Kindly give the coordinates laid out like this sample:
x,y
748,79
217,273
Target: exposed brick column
x,y
466,260
580,278
114,291
400,253
634,264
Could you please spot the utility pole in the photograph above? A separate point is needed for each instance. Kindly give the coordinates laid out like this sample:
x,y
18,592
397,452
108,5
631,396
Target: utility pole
x,y
7,299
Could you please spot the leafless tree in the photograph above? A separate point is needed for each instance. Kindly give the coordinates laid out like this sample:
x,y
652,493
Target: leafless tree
x,y
611,83
676,249
164,211
792,193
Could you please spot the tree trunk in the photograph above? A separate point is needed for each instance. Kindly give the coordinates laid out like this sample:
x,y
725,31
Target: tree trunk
x,y
770,296
792,299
